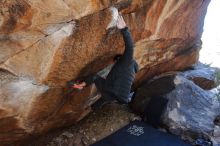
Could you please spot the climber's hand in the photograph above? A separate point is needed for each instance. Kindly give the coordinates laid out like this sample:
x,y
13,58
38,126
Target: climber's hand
x,y
120,22
79,86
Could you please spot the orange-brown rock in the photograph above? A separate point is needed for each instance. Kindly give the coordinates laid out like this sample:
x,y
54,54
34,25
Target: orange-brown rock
x,y
44,44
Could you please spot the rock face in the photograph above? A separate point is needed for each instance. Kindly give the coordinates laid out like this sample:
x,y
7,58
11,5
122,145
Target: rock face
x,y
192,111
202,75
44,44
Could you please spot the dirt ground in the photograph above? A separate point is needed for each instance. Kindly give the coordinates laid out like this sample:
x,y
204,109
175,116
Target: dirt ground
x,y
92,128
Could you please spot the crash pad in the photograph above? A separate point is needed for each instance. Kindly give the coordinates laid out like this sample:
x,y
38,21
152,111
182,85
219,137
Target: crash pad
x,y
138,133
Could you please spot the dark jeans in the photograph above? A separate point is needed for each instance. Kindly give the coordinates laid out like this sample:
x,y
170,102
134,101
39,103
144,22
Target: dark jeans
x,y
105,89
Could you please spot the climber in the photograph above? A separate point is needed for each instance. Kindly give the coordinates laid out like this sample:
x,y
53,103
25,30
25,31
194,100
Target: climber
x,y
117,85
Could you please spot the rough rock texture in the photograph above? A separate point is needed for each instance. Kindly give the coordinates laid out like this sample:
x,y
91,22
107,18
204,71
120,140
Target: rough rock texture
x,y
44,44
203,77
192,111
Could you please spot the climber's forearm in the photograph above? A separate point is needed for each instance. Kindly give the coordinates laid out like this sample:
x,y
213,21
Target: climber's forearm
x,y
129,46
127,38
128,53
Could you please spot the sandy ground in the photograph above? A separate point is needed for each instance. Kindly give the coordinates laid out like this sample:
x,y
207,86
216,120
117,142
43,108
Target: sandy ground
x,y
92,128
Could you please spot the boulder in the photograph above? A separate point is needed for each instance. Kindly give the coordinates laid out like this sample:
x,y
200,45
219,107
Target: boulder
x,y
159,86
191,112
28,108
44,44
205,77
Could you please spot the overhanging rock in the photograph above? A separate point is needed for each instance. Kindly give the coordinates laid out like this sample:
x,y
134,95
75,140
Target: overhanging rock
x,y
48,43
